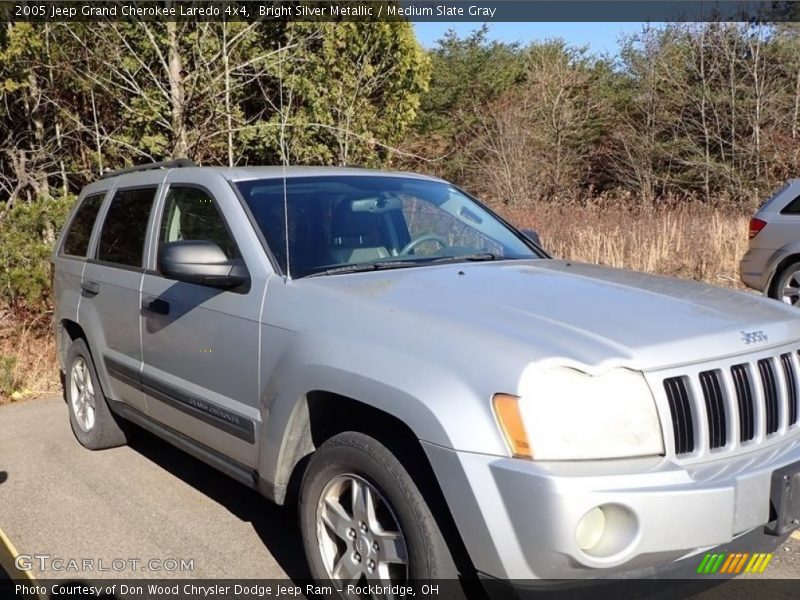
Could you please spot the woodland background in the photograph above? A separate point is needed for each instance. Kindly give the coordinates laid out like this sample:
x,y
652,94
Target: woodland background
x,y
652,159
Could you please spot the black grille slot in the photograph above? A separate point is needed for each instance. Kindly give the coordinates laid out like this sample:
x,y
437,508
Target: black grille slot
x,y
681,411
715,408
791,386
770,387
744,402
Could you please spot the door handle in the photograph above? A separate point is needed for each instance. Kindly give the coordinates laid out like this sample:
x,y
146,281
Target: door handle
x,y
92,288
156,305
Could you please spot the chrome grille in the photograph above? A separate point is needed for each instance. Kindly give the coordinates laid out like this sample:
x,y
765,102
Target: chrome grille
x,y
744,402
722,407
715,408
769,386
680,409
791,382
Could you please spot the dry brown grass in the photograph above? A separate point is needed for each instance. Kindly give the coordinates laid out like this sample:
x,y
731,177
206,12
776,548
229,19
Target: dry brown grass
x,y
28,363
694,241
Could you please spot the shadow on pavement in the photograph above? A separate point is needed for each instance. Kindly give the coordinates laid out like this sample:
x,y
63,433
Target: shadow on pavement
x,y
3,476
276,526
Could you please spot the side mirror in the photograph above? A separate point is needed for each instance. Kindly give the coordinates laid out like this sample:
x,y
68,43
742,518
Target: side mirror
x,y
532,235
201,262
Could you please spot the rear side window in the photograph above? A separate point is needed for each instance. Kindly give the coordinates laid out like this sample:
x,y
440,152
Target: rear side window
x,y
793,208
125,227
76,241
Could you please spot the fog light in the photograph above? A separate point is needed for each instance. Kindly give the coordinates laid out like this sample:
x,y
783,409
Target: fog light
x,y
590,529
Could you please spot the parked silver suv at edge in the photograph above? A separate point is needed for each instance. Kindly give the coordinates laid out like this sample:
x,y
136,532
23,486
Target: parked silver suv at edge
x,y
772,262
443,395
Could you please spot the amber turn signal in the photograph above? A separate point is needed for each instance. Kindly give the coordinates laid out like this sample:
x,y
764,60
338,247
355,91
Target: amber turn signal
x,y
506,407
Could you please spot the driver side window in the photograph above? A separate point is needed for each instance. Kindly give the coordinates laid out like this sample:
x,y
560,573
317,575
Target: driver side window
x,y
191,214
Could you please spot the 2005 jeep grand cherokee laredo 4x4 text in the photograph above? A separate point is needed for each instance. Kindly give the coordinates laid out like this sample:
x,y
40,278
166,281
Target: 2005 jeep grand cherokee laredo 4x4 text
x,y
438,390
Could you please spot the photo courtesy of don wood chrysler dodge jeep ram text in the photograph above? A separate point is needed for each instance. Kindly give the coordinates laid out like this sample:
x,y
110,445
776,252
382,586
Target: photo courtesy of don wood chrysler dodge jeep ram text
x,y
437,394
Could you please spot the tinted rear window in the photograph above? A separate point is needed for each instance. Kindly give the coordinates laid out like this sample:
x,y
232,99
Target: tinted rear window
x,y
76,241
125,227
793,208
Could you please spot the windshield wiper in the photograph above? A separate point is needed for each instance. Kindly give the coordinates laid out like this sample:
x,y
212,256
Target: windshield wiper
x,y
477,257
367,266
400,264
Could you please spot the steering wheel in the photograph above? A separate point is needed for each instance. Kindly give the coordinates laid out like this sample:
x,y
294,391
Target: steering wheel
x,y
430,237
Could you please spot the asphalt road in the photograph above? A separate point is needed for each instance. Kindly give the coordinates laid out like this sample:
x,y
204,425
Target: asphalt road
x,y
147,502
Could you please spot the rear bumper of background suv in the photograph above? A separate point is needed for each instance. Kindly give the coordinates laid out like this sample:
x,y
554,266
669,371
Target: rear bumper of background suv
x,y
518,518
755,268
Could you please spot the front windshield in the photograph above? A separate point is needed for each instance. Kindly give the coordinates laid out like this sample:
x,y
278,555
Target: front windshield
x,y
340,223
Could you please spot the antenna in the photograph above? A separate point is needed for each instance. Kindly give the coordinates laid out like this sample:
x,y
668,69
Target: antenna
x,y
284,160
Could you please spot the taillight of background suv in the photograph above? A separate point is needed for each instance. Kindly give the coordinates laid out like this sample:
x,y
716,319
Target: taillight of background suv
x,y
756,225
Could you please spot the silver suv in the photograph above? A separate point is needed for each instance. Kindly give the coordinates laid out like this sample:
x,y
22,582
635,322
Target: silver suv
x,y
772,262
436,393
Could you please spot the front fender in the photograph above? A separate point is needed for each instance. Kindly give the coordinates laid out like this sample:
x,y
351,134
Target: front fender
x,y
437,404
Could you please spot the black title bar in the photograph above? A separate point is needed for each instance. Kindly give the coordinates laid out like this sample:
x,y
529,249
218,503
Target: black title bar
x,y
480,11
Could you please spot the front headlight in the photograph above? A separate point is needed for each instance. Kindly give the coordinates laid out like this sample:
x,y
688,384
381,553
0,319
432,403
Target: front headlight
x,y
564,414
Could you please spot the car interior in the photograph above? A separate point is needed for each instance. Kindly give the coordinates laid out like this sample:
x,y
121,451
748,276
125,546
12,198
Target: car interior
x,y
334,230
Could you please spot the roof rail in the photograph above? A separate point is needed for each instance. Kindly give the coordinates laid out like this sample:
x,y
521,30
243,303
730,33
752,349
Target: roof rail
x,y
167,164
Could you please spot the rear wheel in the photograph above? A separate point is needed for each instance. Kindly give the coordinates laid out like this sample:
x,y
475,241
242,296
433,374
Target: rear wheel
x,y
92,422
364,520
786,285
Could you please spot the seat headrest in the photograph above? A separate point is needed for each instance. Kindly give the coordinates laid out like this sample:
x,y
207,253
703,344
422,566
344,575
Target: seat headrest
x,y
351,227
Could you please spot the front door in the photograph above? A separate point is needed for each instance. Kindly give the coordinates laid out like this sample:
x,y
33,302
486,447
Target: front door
x,y
200,344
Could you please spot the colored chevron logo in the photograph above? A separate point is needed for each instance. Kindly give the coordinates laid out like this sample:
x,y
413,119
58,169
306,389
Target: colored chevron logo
x,y
735,563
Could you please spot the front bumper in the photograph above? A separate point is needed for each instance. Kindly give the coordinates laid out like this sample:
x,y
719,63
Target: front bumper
x,y
641,583
518,518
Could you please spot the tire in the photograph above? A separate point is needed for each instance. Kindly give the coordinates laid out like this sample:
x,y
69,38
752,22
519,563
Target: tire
x,y
92,422
787,278
351,460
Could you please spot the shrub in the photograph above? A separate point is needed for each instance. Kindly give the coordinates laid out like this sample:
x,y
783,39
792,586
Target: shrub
x,y
8,380
27,234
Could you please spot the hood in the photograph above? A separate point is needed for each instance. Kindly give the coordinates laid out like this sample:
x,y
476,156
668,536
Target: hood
x,y
570,313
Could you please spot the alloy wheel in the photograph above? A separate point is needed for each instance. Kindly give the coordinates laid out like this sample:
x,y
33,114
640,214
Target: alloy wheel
x,y
358,534
82,394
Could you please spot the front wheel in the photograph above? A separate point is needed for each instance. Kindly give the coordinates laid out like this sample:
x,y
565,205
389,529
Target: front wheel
x,y
364,520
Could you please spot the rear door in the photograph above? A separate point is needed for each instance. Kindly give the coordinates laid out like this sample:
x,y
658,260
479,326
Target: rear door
x,y
69,261
111,284
201,344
